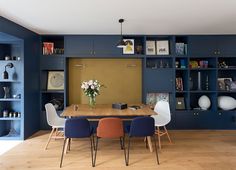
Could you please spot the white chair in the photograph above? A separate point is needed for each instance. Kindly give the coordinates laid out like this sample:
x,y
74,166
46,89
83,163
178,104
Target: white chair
x,y
54,121
162,118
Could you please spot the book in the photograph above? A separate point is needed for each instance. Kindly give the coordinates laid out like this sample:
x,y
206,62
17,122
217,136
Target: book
x,y
150,48
48,48
162,47
179,84
179,48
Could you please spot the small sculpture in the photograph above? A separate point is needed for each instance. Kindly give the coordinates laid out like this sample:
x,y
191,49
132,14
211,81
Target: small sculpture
x,y
226,102
204,102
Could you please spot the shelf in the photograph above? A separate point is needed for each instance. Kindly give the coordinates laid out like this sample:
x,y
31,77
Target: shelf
x,y
224,91
10,138
53,55
9,100
52,91
10,118
202,69
181,91
9,81
159,56
181,69
202,91
227,69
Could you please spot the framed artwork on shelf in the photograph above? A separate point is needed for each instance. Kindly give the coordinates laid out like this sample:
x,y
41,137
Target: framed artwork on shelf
x,y
162,47
224,84
179,84
48,48
55,80
150,48
153,98
180,104
129,47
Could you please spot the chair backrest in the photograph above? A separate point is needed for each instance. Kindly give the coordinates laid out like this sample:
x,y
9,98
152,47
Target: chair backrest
x,y
142,126
162,108
51,114
110,128
77,128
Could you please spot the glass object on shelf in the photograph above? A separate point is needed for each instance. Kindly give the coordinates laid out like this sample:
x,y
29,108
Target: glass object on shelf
x,y
6,92
12,131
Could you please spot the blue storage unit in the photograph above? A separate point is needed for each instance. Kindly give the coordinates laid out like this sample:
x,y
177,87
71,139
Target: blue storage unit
x,y
22,46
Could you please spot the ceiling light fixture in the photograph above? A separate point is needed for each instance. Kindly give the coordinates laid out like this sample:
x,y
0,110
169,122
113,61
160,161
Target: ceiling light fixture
x,y
121,43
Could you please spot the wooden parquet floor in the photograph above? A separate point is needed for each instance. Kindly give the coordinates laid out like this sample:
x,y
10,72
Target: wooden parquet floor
x,y
191,150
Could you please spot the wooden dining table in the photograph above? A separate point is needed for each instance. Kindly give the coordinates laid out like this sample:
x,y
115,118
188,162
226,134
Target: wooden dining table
x,y
106,110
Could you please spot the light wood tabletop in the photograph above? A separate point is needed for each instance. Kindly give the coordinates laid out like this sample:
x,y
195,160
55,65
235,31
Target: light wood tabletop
x,y
105,110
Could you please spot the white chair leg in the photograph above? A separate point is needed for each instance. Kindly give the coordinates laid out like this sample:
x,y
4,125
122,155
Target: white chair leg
x,y
167,134
49,138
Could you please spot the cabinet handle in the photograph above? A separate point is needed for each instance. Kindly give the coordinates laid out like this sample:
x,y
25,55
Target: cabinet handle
x,y
197,114
194,114
220,114
91,52
215,52
94,52
218,52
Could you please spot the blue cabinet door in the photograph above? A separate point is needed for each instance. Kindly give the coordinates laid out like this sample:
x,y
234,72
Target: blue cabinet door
x,y
202,45
78,45
106,45
158,80
227,45
186,120
226,120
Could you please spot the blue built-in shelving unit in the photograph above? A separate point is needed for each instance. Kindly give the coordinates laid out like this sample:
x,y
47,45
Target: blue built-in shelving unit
x,y
160,72
17,41
12,124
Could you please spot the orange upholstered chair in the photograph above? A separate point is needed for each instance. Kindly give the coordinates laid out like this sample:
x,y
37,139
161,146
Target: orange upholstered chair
x,y
110,128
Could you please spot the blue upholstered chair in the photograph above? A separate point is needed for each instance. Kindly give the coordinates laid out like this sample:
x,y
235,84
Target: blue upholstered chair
x,y
77,128
141,127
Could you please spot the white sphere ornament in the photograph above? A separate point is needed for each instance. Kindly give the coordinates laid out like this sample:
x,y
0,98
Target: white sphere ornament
x,y
226,102
204,102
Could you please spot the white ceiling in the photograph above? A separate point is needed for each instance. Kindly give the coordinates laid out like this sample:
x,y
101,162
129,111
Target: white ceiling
x,y
141,16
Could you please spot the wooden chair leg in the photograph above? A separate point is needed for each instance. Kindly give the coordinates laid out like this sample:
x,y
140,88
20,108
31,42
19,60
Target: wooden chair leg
x,y
66,145
49,138
159,137
62,154
149,141
167,134
157,157
56,133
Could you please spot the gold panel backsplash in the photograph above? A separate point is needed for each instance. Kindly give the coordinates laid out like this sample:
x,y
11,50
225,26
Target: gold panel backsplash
x,y
122,78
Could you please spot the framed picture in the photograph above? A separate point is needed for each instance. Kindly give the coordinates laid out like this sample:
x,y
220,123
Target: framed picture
x,y
224,83
180,104
48,48
150,48
129,47
153,98
162,47
162,97
55,80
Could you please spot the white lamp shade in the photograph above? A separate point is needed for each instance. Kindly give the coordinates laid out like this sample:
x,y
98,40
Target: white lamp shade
x,y
226,102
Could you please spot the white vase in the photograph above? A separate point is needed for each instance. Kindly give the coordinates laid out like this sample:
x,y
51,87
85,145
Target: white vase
x,y
226,102
204,102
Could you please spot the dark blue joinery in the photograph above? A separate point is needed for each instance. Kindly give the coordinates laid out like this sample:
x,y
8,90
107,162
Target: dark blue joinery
x,y
22,43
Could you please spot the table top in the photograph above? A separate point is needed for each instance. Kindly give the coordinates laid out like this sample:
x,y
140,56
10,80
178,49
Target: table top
x,y
105,110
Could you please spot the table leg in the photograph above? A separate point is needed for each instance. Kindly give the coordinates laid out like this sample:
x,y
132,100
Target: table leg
x,y
150,143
